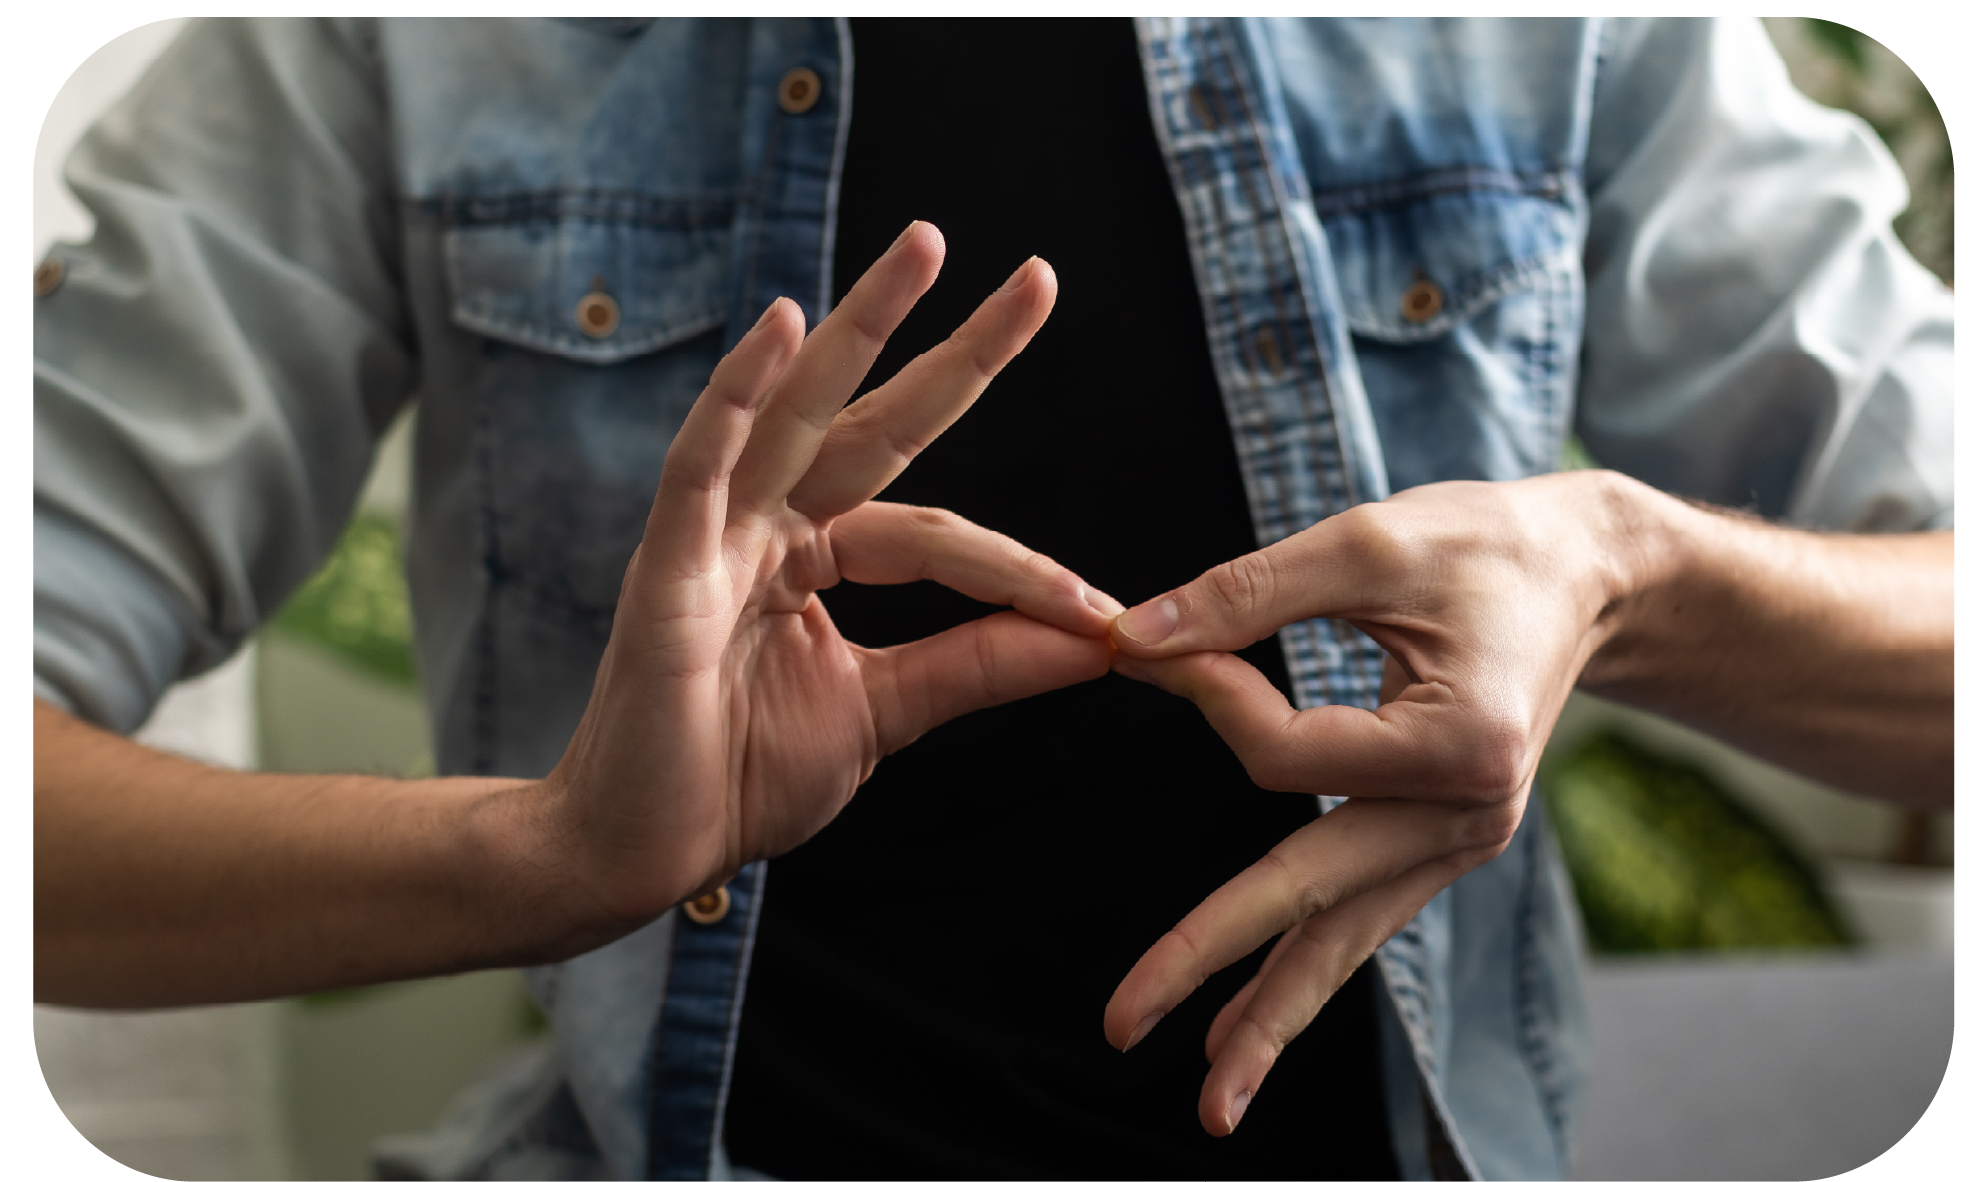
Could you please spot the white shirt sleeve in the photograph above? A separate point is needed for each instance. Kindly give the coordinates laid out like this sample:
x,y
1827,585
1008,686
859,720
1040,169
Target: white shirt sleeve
x,y
215,366
1756,334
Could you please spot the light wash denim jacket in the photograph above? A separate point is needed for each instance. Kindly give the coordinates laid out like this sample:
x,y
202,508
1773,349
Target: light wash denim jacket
x,y
303,225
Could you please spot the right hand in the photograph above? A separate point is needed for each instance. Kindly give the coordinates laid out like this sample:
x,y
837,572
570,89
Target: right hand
x,y
729,720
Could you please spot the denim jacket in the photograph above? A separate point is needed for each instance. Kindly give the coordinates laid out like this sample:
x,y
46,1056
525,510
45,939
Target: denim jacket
x,y
1416,242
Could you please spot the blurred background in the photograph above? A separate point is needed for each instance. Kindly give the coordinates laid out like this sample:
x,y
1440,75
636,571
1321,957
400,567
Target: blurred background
x,y
1771,961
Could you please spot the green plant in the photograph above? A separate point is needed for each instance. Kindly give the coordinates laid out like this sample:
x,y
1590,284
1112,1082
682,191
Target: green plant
x,y
1871,82
356,604
1664,859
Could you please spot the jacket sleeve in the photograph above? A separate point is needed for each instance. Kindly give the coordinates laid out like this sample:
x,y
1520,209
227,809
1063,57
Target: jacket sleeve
x,y
1756,334
216,364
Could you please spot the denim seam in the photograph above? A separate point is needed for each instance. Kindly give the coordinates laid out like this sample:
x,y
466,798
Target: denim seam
x,y
845,100
1233,195
520,331
742,972
1464,302
1531,1018
483,714
596,207
1554,185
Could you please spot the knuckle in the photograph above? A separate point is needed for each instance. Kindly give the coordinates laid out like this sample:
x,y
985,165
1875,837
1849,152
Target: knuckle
x,y
1040,568
1493,762
930,520
864,421
1275,769
1490,827
1268,1034
869,329
1370,538
966,351
1237,587
987,659
1310,889
1187,952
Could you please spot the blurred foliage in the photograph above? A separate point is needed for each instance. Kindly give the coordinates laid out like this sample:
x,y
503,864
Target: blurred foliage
x,y
339,997
1664,859
527,1019
356,605
1847,70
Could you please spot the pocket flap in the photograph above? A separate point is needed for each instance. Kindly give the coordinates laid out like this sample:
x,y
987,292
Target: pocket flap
x,y
521,266
1415,258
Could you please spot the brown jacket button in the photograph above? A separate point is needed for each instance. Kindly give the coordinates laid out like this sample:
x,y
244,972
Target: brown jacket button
x,y
48,276
1204,112
709,909
1421,302
799,90
597,314
1269,357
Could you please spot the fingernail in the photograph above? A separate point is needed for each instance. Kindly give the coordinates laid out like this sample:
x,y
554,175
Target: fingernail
x,y
1136,670
766,317
1140,1031
1015,280
902,238
1236,1107
1151,622
1101,603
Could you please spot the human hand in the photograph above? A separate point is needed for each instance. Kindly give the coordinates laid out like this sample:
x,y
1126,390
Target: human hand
x,y
729,720
1489,599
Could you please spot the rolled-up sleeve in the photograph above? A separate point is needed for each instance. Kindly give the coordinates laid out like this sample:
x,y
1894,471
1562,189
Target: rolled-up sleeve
x,y
216,364
1756,334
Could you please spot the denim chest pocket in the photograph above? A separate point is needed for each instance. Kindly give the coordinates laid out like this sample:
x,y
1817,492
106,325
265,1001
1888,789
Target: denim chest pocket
x,y
600,318
592,276
1463,294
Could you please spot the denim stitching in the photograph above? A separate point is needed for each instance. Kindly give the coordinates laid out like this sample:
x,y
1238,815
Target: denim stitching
x,y
1550,186
601,207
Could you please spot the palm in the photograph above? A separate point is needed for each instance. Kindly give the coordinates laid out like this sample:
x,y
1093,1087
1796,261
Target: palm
x,y
730,720
799,735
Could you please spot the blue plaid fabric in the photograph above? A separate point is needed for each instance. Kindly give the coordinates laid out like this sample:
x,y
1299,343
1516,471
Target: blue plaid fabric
x,y
1295,402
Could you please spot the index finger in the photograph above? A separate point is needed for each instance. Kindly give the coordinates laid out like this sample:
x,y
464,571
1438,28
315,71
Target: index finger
x,y
797,412
1356,847
875,438
1422,744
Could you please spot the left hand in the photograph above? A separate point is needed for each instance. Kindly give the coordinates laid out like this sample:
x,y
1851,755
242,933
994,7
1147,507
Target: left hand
x,y
1489,599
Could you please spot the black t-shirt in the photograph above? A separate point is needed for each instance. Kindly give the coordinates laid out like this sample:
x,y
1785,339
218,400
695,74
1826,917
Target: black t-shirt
x,y
929,981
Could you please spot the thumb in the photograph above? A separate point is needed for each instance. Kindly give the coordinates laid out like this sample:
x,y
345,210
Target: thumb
x,y
1239,603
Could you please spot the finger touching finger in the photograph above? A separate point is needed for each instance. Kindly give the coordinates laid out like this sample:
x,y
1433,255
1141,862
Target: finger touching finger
x,y
873,440
884,542
999,658
804,401
1340,566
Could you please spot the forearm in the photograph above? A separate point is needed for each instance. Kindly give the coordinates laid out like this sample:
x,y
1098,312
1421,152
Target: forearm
x,y
160,881
1829,654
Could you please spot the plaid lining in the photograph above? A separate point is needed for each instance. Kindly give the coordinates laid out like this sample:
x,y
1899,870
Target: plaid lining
x,y
1273,349
1280,351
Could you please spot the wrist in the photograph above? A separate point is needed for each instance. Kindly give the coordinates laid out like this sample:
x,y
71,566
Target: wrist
x,y
1680,572
566,883
625,861
1636,543
1645,543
